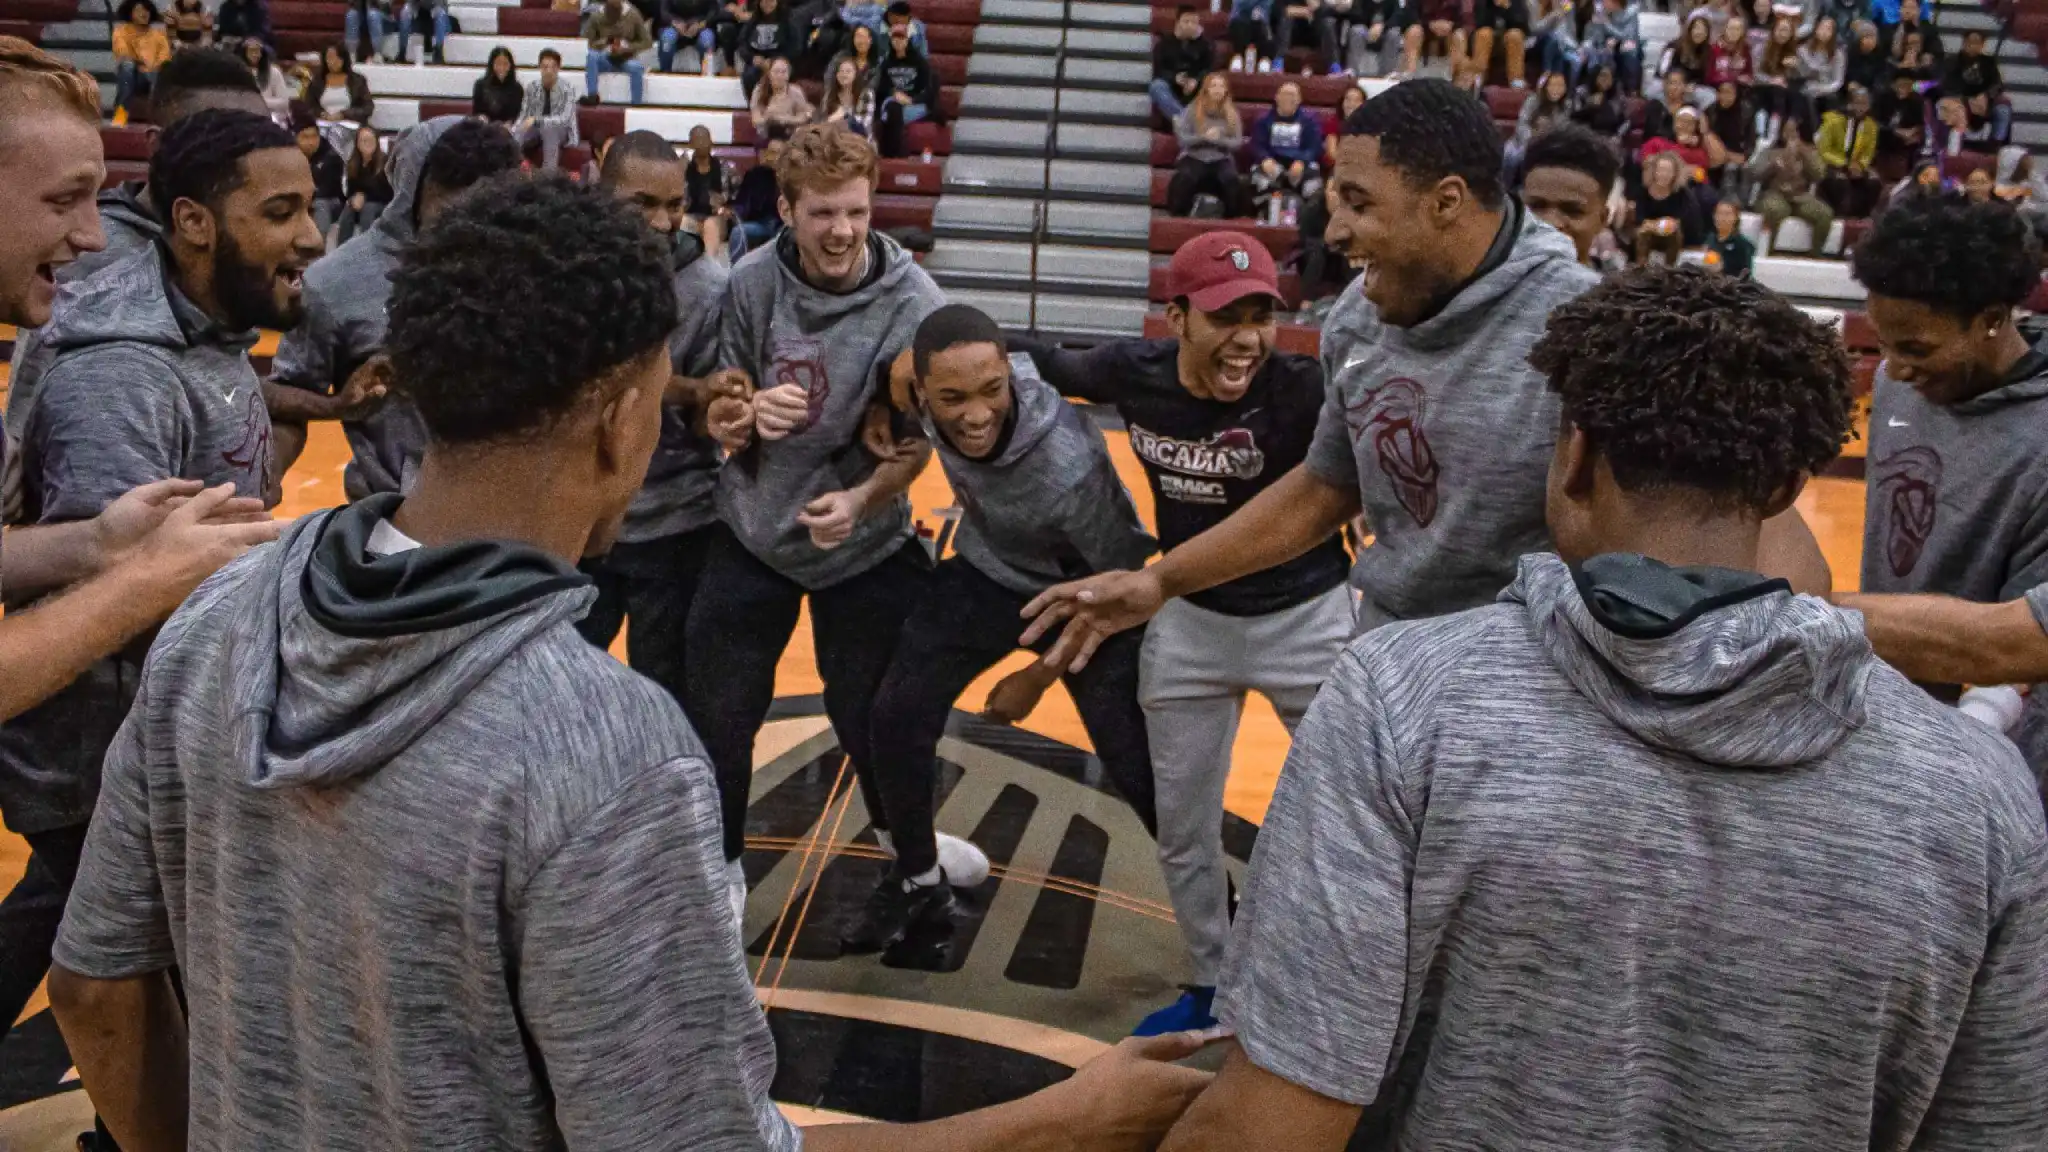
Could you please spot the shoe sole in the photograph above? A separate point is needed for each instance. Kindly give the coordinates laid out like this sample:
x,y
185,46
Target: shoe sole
x,y
939,913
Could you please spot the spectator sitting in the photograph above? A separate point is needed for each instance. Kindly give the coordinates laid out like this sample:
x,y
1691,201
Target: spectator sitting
x,y
1286,144
1848,146
326,163
1210,133
548,116
1762,14
1251,32
2022,185
338,91
1688,140
1665,212
905,89
497,95
1865,62
1440,30
277,91
1375,41
758,201
1911,43
1179,62
1508,22
383,15
1924,180
1557,39
1786,175
688,22
1728,250
778,103
766,36
140,48
707,191
1692,53
365,184
1660,119
618,34
1614,39
1715,12
860,48
1974,76
873,16
1545,108
239,20
849,98
1352,100
1600,106
1333,22
1729,123
1570,174
1729,59
1979,186
1956,131
1901,114
1778,92
190,23
1823,65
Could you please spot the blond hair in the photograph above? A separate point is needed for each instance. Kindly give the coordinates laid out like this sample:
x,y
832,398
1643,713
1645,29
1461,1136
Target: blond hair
x,y
27,73
820,157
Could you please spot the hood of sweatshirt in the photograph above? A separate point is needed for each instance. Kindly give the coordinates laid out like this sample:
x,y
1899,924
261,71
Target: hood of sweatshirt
x,y
134,300
1723,666
354,655
889,264
2026,380
408,162
1526,248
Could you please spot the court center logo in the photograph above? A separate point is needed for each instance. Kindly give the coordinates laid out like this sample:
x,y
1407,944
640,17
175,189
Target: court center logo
x,y
1909,491
1393,415
800,360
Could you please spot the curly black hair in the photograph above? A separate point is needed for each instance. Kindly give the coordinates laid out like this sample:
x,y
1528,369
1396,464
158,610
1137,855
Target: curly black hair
x,y
1687,379
199,158
1951,255
467,153
1575,148
191,73
1430,129
522,294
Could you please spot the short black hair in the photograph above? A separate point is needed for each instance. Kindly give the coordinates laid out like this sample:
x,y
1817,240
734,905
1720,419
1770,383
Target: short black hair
x,y
468,152
127,14
551,54
950,327
640,144
1184,10
1679,71
1951,255
1684,379
199,158
1576,148
521,295
191,71
1431,129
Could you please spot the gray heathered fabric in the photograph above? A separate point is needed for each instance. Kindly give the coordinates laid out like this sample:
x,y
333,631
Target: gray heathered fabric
x,y
1446,431
1956,503
346,295
141,386
458,889
1528,884
682,478
780,330
1050,506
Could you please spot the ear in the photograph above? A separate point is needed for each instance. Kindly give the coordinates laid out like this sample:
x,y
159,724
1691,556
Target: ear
x,y
1576,462
193,223
1447,200
785,209
1785,497
1177,320
1991,321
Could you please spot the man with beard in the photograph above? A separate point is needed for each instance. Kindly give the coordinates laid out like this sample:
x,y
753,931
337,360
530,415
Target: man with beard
x,y
1955,548
329,367
1040,502
650,574
1434,425
149,381
128,566
815,321
1215,416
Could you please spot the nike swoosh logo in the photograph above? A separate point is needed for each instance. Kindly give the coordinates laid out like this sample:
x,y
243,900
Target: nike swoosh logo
x,y
1355,361
1895,422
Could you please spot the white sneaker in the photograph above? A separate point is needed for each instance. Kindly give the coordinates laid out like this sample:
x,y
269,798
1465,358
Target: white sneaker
x,y
963,864
736,890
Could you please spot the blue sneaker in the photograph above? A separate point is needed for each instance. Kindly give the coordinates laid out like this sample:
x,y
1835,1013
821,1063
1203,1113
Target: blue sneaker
x,y
1190,1013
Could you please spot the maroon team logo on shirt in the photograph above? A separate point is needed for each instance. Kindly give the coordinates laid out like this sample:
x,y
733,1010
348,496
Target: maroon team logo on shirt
x,y
251,453
802,362
1392,414
1909,486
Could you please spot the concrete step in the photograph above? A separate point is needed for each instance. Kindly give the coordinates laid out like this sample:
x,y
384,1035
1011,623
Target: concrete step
x,y
1099,225
1012,310
1055,14
2032,102
1956,21
2024,76
2031,133
1090,106
1116,182
1016,38
1110,73
1006,102
1116,45
1012,68
990,264
76,34
1001,137
995,175
98,61
1071,315
1101,142
984,217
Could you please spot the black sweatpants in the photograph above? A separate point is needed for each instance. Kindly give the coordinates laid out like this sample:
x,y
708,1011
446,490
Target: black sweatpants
x,y
1192,177
652,583
740,622
30,914
965,623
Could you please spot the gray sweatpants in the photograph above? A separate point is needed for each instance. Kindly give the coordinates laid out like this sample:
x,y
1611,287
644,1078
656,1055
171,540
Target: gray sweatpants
x,y
1193,673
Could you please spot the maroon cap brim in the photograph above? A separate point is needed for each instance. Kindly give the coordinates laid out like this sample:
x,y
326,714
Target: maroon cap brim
x,y
1217,297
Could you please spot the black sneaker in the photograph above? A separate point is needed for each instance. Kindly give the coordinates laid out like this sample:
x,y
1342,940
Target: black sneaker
x,y
896,907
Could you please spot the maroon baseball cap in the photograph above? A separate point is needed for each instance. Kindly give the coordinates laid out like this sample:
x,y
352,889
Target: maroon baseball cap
x,y
1217,269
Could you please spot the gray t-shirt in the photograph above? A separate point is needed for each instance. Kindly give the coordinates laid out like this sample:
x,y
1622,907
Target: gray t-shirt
x,y
1445,429
1526,883
682,479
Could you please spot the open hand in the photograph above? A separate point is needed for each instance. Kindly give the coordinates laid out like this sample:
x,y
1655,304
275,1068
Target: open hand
x,y
1095,609
1128,1098
197,539
366,388
136,513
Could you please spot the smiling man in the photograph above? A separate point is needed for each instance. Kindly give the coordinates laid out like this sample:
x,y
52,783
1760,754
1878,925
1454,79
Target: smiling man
x,y
1955,553
1216,416
1570,170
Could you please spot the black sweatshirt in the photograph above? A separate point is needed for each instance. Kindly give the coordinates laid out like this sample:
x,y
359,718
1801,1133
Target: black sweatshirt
x,y
1173,56
910,73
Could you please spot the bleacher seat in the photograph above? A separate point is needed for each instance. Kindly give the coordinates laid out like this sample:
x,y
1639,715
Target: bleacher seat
x,y
129,142
1300,339
1170,232
22,30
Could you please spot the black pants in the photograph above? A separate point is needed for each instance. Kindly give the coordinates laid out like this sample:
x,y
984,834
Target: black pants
x,y
1248,32
30,914
1192,177
652,583
965,623
741,621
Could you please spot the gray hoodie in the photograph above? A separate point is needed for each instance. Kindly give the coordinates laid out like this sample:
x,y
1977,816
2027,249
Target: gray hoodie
x,y
1445,429
1049,506
439,874
140,386
345,298
1650,859
1957,504
780,330
679,495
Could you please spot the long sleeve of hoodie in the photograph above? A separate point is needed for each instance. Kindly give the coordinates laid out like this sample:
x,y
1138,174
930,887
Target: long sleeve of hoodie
x,y
633,984
116,924
1308,151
